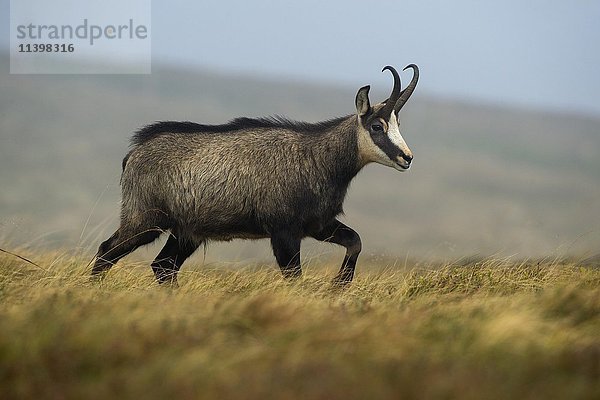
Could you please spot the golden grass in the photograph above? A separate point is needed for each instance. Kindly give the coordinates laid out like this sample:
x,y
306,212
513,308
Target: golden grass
x,y
491,329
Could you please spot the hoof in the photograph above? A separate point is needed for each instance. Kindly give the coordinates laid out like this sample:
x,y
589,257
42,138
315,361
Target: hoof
x,y
168,280
340,282
169,284
97,277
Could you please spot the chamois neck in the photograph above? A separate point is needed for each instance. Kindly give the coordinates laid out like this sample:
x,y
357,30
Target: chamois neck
x,y
338,150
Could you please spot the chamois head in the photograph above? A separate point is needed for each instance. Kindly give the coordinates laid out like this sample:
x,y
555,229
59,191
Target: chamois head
x,y
379,138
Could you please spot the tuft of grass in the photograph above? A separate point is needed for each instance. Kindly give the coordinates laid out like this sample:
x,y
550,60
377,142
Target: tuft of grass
x,y
491,329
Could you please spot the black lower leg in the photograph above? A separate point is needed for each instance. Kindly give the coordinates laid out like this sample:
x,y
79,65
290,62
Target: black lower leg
x,y
337,232
104,258
118,246
286,247
171,257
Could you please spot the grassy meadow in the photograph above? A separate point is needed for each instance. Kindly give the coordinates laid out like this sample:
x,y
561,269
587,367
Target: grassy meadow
x,y
493,329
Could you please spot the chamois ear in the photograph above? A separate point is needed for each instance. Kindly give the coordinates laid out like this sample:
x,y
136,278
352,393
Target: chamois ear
x,y
363,106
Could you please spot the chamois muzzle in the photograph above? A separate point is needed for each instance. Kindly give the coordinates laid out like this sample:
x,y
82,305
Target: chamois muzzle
x,y
404,161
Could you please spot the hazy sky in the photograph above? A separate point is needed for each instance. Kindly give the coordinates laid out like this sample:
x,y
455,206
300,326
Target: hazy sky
x,y
542,54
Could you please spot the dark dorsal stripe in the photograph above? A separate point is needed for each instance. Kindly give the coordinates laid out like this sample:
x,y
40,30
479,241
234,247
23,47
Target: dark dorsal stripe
x,y
158,128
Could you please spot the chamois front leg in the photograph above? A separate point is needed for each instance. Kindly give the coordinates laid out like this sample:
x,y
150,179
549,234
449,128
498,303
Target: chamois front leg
x,y
286,247
338,233
171,257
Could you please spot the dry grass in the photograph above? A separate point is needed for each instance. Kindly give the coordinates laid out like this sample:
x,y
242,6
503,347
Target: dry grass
x,y
489,329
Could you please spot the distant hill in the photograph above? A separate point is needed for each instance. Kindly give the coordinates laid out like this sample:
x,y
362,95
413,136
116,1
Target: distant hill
x,y
486,180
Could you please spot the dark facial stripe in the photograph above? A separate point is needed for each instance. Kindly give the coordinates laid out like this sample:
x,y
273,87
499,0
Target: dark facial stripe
x,y
383,141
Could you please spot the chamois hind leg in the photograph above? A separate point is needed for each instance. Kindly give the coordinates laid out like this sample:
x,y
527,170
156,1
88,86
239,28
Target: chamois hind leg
x,y
286,247
338,233
121,243
171,257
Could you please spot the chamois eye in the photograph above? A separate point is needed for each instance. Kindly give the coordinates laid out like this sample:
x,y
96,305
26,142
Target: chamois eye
x,y
377,127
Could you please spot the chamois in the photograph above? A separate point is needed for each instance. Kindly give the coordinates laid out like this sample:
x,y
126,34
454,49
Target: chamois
x,y
252,178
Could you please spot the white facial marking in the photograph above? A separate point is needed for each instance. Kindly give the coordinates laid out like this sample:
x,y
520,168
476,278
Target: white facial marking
x,y
396,137
370,152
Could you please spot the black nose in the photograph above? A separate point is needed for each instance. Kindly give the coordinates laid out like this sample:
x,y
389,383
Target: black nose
x,y
407,158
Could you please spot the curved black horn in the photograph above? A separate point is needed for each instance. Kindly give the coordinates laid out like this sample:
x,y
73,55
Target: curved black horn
x,y
406,93
389,105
